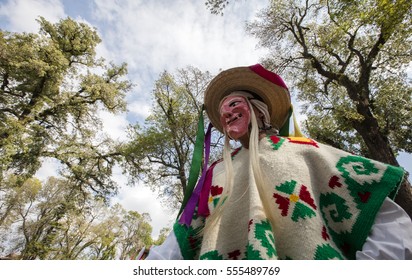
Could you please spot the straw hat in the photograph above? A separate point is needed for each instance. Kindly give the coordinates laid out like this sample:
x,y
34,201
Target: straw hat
x,y
256,79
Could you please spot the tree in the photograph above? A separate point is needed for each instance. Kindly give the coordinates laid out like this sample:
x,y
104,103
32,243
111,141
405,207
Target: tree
x,y
14,194
347,62
161,150
135,234
51,89
56,221
164,232
13,201
76,234
50,93
39,214
100,232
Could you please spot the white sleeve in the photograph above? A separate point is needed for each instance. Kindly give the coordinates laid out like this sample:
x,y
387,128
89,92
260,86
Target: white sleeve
x,y
169,250
390,237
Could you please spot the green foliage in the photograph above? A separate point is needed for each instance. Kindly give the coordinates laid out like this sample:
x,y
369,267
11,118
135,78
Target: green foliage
x,y
59,221
346,61
15,194
51,89
51,86
161,150
216,6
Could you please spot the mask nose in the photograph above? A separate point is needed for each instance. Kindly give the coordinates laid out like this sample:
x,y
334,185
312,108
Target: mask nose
x,y
225,111
226,114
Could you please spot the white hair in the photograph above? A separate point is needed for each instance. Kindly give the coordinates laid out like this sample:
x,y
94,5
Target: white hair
x,y
260,181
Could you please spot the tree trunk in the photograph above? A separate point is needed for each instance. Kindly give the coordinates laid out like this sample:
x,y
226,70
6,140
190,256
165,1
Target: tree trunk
x,y
404,197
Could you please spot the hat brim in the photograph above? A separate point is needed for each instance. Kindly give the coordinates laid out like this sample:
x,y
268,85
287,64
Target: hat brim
x,y
277,98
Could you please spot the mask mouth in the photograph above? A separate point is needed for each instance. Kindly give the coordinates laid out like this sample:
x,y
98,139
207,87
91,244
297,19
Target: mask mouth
x,y
232,120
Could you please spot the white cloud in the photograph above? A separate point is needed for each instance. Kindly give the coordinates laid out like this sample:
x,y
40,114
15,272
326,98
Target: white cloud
x,y
22,14
409,71
114,125
169,35
153,36
141,199
139,109
49,168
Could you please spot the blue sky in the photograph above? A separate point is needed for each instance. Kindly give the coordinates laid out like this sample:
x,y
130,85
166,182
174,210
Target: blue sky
x,y
151,36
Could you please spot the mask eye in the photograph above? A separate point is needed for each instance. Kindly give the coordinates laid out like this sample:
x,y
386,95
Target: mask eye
x,y
233,103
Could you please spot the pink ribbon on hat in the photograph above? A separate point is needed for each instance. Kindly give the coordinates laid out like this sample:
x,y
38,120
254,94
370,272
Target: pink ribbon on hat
x,y
266,74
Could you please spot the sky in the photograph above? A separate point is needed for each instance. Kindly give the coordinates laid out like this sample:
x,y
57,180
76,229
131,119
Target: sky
x,y
150,36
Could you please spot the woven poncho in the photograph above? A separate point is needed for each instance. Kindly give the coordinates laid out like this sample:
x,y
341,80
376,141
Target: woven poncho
x,y
324,202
